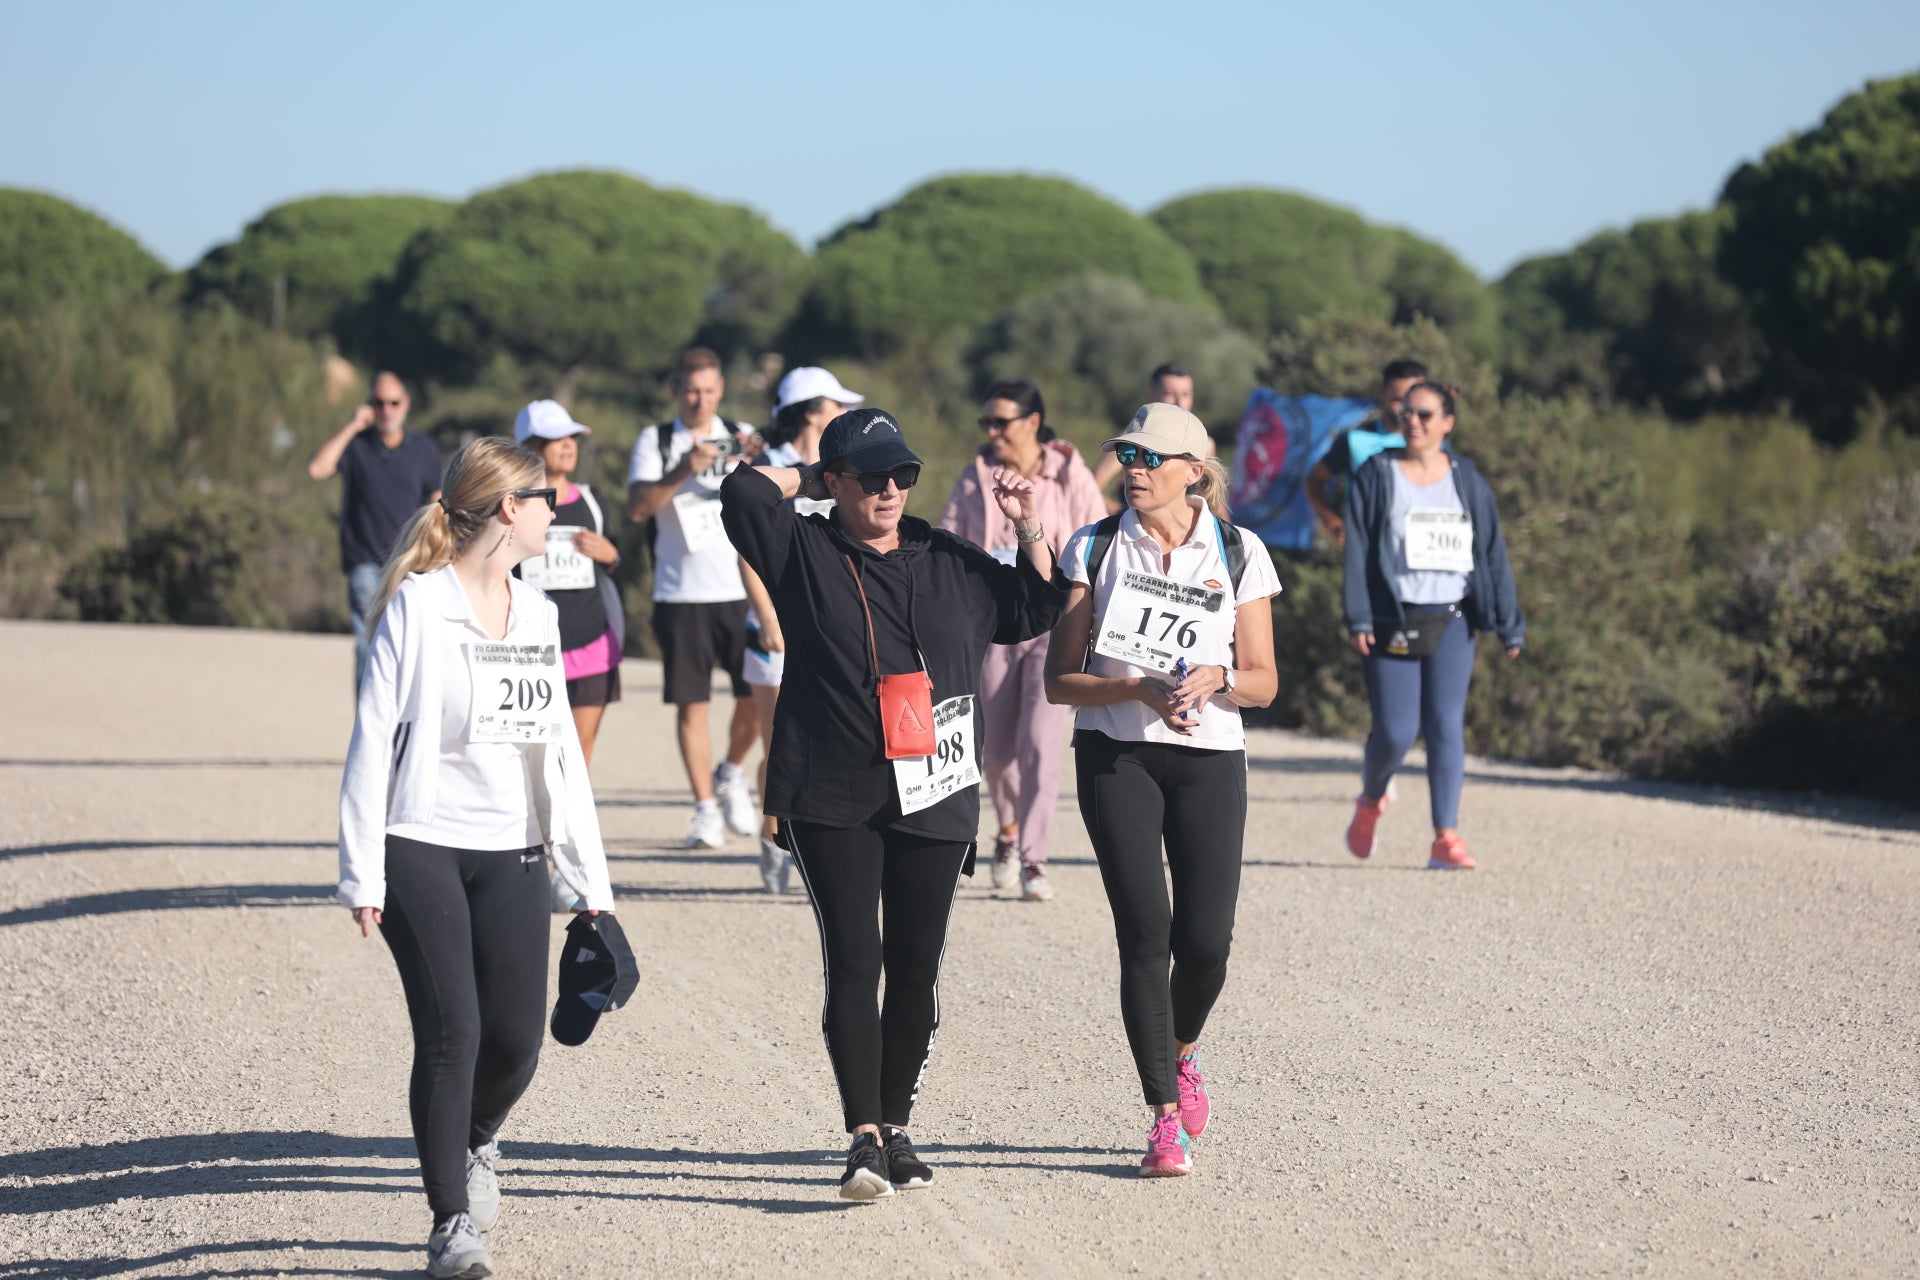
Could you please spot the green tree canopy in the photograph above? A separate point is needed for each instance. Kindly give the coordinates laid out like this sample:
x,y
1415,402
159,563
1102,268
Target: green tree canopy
x,y
589,269
1825,240
331,249
1274,258
52,249
1641,315
1090,341
953,252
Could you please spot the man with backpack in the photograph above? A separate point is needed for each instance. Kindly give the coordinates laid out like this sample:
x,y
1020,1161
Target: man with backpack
x,y
699,602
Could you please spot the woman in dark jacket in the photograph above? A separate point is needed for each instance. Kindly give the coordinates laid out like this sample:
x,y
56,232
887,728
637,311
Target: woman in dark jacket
x,y
1426,568
874,770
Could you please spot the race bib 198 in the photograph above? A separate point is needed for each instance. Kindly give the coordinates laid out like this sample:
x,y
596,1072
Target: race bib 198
x,y
519,693
700,523
1439,541
563,568
923,781
1153,623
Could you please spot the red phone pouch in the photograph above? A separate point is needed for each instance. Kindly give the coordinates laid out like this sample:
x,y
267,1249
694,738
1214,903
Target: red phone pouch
x,y
906,700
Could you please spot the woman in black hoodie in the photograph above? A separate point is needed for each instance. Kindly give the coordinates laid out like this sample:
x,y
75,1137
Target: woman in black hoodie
x,y
874,768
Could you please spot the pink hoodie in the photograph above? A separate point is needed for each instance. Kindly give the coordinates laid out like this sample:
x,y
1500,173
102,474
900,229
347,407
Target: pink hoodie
x,y
1065,495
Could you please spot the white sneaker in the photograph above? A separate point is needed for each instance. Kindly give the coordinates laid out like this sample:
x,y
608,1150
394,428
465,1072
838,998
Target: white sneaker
x,y
455,1251
483,1186
736,800
1006,864
707,830
1033,884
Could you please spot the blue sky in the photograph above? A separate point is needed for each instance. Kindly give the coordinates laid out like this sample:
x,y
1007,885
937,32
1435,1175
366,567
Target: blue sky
x,y
1500,129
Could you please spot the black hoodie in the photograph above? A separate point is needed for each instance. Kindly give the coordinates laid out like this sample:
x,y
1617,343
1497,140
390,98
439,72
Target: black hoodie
x,y
936,593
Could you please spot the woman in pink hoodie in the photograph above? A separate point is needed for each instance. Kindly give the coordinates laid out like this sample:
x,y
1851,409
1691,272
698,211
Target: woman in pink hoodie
x,y
1024,732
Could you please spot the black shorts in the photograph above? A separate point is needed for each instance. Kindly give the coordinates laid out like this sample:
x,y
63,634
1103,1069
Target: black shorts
x,y
696,638
594,691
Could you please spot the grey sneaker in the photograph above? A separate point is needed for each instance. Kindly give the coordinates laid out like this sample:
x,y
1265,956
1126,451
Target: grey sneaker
x,y
1006,863
455,1251
483,1187
736,800
773,866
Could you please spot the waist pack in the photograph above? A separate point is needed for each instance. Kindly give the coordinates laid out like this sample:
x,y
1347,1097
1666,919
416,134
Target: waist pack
x,y
1419,635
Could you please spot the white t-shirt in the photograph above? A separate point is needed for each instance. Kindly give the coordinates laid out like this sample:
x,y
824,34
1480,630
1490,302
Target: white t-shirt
x,y
1195,561
483,798
707,572
1421,586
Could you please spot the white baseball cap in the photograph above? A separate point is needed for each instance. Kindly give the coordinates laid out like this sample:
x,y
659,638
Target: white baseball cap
x,y
1166,429
809,382
547,419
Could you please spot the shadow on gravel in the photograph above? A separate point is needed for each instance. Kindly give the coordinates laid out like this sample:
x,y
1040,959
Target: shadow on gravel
x,y
119,846
209,897
21,762
941,1153
38,1268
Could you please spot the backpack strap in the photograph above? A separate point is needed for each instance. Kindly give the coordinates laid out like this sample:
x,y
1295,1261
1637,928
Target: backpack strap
x,y
1233,550
1097,548
593,509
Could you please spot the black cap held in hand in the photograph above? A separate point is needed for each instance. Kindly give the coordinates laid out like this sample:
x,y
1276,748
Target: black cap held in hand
x,y
597,975
865,440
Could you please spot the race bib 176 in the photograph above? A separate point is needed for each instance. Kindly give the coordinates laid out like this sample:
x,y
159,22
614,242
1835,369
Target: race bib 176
x,y
1152,623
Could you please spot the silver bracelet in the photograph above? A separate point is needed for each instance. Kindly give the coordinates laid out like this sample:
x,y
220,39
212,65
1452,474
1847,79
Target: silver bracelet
x,y
1023,539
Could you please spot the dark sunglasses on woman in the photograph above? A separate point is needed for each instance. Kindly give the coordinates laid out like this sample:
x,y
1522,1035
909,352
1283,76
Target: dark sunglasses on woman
x,y
904,477
551,495
1128,454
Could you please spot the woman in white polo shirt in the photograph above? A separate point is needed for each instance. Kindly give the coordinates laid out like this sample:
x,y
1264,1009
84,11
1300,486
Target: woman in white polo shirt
x,y
463,770
1168,632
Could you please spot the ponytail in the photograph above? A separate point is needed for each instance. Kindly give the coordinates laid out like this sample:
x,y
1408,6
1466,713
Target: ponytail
x,y
1211,487
476,479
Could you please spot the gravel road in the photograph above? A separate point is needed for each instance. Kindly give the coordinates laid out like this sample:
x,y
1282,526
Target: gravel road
x,y
1661,1031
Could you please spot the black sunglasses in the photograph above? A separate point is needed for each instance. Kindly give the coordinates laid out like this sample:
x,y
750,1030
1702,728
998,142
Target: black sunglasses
x,y
988,422
904,477
377,403
551,495
1128,454
1425,415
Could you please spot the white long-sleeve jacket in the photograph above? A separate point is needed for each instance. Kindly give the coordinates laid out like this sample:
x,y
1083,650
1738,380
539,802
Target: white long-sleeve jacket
x,y
391,780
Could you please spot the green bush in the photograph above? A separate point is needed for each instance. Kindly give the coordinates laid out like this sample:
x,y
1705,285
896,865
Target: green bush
x,y
331,251
956,251
1090,341
50,249
1273,259
587,270
1822,241
1642,315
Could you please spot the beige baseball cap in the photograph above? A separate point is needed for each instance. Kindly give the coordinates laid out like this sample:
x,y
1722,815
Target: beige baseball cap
x,y
1167,429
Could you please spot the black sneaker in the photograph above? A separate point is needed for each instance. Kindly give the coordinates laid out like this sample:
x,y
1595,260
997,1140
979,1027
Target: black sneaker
x,y
866,1175
905,1170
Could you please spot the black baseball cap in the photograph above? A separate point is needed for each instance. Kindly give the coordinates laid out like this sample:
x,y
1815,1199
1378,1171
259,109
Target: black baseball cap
x,y
597,975
865,440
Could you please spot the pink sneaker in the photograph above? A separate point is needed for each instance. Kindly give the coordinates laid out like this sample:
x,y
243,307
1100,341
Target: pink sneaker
x,y
1169,1154
1450,854
1194,1106
1366,816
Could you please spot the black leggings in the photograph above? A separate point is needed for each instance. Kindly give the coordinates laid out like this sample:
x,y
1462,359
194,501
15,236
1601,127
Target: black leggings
x,y
469,933
851,873
1131,793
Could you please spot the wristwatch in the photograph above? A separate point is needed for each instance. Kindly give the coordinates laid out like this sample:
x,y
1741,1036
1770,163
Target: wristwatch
x,y
1229,686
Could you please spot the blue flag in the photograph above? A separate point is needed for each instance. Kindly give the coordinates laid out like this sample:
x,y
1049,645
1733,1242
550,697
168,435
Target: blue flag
x,y
1280,439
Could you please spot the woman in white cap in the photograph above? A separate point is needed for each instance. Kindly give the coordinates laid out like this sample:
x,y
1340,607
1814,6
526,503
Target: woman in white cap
x,y
463,772
1168,632
809,398
577,571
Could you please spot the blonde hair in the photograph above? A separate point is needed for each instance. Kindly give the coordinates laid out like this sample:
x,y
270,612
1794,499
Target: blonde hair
x,y
475,481
1212,486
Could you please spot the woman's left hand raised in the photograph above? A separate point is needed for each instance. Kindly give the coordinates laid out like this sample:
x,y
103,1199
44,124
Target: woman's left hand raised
x,y
1014,492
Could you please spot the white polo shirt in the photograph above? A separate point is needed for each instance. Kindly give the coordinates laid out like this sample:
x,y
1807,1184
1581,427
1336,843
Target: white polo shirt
x,y
1196,562
707,572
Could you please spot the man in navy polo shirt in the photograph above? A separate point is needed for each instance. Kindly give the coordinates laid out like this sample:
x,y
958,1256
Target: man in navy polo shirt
x,y
387,473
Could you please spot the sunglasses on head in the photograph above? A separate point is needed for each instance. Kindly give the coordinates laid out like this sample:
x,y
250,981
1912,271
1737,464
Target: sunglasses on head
x,y
551,495
904,477
1128,454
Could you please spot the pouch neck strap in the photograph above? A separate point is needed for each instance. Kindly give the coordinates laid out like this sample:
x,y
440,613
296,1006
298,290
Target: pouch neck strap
x,y
873,646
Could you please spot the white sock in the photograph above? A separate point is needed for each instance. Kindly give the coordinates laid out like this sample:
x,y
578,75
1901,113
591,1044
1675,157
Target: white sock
x,y
729,771
706,806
